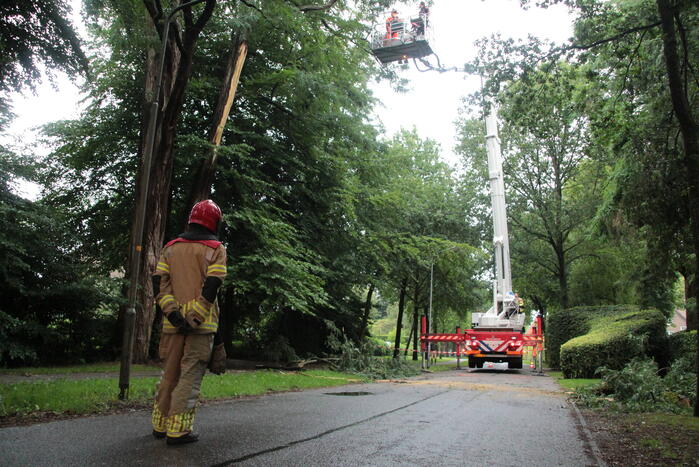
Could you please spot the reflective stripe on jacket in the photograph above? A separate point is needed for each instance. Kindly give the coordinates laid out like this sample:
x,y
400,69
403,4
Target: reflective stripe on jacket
x,y
183,268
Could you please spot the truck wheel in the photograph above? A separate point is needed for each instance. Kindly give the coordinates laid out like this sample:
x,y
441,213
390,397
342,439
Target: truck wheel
x,y
472,362
515,363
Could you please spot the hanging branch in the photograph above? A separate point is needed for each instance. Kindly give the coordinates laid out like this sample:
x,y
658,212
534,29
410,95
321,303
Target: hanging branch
x,y
207,167
610,39
327,6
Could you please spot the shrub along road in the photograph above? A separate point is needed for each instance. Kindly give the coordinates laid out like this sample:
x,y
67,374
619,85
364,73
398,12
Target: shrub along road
x,y
447,418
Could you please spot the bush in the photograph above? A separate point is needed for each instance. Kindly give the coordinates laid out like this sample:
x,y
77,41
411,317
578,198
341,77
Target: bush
x,y
378,348
614,337
682,378
279,350
683,344
638,387
52,294
562,326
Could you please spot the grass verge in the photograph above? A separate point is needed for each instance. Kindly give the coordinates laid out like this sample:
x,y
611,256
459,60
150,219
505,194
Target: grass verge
x,y
89,396
572,384
642,439
87,368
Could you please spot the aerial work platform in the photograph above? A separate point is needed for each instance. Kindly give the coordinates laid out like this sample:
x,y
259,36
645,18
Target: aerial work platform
x,y
392,50
400,39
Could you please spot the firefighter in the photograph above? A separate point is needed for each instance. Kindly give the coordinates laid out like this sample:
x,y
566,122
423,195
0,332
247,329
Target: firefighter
x,y
424,11
421,21
190,270
392,25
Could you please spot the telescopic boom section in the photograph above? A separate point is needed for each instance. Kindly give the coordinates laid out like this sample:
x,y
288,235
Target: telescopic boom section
x,y
497,197
505,313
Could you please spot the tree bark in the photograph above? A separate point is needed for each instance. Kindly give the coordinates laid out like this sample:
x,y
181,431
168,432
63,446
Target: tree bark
x,y
541,307
559,236
416,296
176,73
691,293
562,277
366,312
426,313
407,345
689,129
227,320
399,320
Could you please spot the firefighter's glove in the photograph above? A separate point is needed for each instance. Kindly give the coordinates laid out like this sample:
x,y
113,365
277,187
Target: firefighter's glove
x,y
191,315
217,364
177,320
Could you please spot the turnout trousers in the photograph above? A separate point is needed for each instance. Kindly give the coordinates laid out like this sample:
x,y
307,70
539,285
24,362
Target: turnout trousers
x,y
183,359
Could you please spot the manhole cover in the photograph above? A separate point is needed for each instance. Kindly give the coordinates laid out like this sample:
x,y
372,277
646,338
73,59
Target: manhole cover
x,y
354,393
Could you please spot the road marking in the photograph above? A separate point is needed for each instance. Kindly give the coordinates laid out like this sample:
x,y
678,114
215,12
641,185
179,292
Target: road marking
x,y
320,435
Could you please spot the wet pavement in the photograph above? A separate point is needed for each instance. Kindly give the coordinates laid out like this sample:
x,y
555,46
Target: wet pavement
x,y
461,417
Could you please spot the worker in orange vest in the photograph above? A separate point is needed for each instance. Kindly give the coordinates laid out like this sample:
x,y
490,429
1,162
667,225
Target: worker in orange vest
x,y
391,25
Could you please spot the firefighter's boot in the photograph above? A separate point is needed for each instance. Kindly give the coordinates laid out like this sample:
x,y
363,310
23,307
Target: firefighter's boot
x,y
179,428
159,422
186,439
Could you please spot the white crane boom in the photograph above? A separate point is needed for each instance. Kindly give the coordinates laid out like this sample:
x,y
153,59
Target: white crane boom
x,y
505,311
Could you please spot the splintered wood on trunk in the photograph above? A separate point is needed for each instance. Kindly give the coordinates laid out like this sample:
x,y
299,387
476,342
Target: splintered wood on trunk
x,y
201,188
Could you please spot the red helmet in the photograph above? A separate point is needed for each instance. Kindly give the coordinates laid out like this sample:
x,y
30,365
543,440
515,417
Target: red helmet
x,y
206,213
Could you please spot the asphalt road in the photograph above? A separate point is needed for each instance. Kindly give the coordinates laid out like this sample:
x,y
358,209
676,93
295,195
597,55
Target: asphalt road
x,y
473,418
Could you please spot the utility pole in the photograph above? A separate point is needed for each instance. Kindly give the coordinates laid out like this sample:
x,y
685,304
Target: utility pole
x,y
139,218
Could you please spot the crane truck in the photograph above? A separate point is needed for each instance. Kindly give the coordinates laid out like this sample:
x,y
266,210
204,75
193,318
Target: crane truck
x,y
497,336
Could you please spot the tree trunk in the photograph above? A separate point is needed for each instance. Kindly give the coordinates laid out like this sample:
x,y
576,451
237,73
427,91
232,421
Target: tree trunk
x,y
399,320
562,278
154,222
415,316
407,345
201,188
541,307
691,293
559,242
365,315
690,134
426,314
176,73
227,319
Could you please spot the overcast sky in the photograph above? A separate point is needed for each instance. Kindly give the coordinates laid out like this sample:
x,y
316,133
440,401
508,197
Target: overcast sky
x,y
434,98
432,103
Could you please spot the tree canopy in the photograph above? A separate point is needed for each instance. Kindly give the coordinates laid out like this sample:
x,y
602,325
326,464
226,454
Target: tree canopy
x,y
327,216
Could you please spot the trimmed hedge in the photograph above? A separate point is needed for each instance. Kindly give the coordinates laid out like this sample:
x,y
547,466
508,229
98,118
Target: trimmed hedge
x,y
611,337
564,325
683,344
